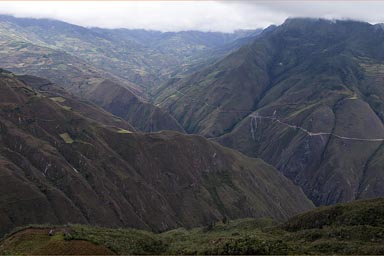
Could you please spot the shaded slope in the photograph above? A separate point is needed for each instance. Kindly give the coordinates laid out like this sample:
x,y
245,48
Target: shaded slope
x,y
73,103
115,99
123,103
305,97
58,165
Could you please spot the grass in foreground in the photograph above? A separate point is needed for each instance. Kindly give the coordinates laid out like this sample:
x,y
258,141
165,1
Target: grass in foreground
x,y
354,228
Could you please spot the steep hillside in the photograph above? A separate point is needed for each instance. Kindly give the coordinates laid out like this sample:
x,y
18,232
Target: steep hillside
x,y
123,103
306,97
62,162
200,62
73,103
117,100
346,229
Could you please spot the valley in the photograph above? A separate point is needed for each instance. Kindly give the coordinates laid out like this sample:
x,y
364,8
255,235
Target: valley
x,y
138,141
65,160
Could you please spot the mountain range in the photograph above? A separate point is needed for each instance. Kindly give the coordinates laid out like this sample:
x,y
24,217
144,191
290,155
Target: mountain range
x,y
144,58
305,97
84,60
157,130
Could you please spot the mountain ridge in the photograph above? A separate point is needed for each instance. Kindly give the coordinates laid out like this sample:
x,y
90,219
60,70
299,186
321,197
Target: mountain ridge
x,y
298,79
83,60
350,228
122,52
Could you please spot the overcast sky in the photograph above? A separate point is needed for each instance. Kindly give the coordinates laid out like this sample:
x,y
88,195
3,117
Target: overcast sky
x,y
223,16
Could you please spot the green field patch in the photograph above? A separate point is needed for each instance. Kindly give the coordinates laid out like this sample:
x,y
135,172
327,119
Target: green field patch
x,y
61,67
301,110
66,108
57,99
66,137
123,131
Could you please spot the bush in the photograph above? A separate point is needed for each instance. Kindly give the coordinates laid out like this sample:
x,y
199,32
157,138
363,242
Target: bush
x,y
250,246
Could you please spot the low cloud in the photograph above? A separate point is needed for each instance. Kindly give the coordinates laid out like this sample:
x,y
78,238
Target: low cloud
x,y
223,16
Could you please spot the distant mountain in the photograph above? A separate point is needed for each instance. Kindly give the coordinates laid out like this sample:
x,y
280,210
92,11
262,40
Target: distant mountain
x,y
306,96
83,80
65,160
146,58
176,43
86,60
26,56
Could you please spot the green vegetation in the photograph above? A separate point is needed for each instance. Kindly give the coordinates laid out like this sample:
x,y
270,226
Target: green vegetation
x,y
122,241
369,212
66,137
234,237
57,99
123,131
66,108
37,241
353,228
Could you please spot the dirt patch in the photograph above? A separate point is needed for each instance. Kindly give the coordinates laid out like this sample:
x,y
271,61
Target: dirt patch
x,y
37,241
73,247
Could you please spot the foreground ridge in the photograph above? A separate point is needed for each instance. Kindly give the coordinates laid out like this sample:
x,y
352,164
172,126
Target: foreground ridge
x,y
351,228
